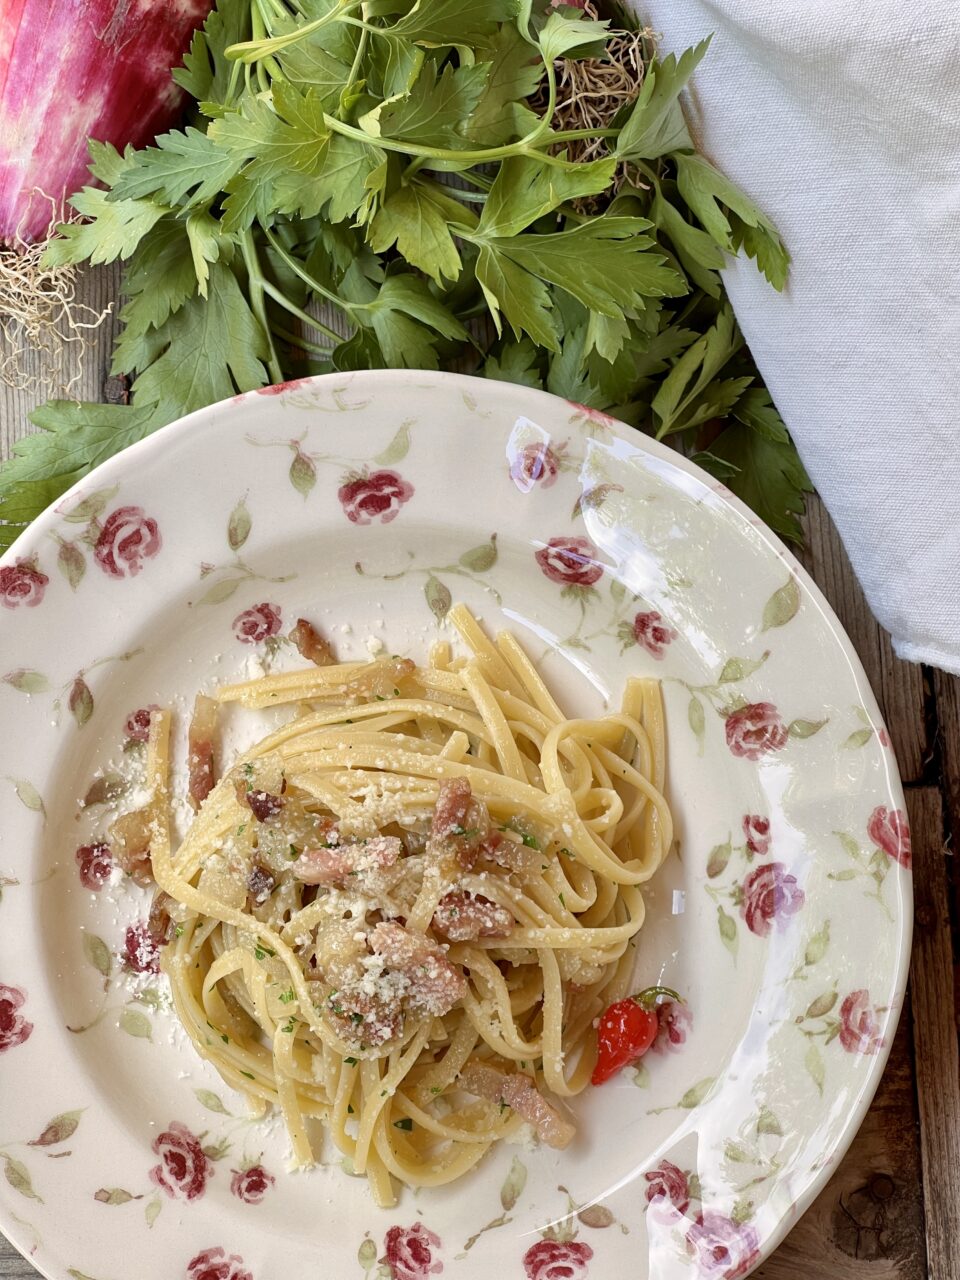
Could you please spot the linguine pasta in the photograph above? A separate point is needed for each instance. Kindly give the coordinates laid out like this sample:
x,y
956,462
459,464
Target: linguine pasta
x,y
402,912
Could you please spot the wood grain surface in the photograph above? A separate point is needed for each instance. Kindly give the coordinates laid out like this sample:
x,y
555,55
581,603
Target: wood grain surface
x,y
892,1209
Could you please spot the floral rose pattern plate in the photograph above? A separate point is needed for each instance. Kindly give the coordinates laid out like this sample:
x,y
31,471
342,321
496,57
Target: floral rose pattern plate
x,y
367,503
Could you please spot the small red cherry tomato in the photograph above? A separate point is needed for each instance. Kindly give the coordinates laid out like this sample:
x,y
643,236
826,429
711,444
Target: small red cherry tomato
x,y
626,1031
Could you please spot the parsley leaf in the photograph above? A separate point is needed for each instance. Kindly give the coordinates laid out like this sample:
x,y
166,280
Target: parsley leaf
x,y
606,263
210,349
416,223
705,190
433,112
769,475
183,162
656,125
113,228
74,439
314,173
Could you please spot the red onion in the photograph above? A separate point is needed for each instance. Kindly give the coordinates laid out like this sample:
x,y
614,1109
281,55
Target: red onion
x,y
75,69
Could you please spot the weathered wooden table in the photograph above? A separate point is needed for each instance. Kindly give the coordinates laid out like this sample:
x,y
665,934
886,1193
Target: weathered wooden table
x,y
892,1210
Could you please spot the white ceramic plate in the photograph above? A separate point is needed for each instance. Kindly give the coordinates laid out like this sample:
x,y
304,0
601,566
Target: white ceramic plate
x,y
365,502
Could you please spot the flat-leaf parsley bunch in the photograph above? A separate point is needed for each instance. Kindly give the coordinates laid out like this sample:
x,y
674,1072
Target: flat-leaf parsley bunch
x,y
404,166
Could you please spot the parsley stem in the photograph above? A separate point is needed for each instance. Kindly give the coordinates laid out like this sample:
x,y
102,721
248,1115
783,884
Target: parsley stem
x,y
298,340
519,148
294,310
299,270
355,68
571,135
252,50
257,284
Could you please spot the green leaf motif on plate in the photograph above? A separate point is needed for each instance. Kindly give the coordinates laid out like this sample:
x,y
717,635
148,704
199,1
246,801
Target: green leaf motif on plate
x,y
728,930
736,1152
152,1211
25,680
397,449
480,559
28,795
859,738
818,944
596,1216
696,719
18,1176
72,563
239,525
59,1129
367,1253
813,1061
220,591
303,473
739,668
782,605
438,597
804,728
768,1123
98,954
513,1184
114,1195
105,789
697,1093
92,506
80,701
210,1100
717,864
820,1007
135,1024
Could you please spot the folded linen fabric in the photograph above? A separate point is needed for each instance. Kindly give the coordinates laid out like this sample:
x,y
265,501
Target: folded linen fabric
x,y
842,121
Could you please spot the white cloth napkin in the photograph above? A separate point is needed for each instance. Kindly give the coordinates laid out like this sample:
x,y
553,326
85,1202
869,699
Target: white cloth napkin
x,y
841,119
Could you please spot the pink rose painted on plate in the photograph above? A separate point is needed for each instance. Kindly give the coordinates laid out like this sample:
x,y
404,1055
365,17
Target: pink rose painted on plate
x,y
183,1169
723,1249
557,1260
137,725
410,1252
890,831
651,633
95,862
534,464
756,831
754,730
377,496
22,584
251,1185
570,561
859,1024
128,537
215,1264
668,1191
141,949
770,895
14,1028
674,1023
258,623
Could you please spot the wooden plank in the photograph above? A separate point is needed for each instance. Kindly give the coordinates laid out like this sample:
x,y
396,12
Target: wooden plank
x,y
867,1223
898,685
935,1036
98,288
947,691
